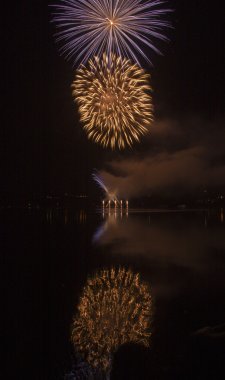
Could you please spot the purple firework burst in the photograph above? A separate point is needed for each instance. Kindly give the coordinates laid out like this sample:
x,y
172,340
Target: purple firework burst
x,y
123,27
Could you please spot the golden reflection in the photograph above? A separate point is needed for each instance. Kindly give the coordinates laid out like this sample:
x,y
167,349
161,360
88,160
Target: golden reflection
x,y
206,221
82,217
66,217
221,215
114,207
115,308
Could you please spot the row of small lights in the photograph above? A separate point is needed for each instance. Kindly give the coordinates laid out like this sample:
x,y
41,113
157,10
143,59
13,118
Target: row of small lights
x,y
116,202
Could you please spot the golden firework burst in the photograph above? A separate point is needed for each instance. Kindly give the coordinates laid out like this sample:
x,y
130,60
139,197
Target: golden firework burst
x,y
114,100
115,308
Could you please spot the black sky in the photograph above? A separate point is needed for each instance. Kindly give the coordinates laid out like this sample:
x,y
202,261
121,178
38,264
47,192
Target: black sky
x,y
45,149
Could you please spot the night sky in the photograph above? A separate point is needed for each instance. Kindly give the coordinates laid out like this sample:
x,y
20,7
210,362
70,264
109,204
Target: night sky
x,y
45,149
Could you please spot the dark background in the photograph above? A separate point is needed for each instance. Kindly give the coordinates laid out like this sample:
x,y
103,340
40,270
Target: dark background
x,y
45,149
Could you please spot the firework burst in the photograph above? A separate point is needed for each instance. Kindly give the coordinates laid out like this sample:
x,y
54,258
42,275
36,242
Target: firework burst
x,y
89,27
114,101
115,308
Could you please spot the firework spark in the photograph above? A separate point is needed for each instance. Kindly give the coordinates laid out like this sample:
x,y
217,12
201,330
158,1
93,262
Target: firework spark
x,y
89,27
97,178
115,308
114,101
109,194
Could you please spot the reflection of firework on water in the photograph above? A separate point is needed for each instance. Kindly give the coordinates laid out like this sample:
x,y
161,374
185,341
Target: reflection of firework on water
x,y
88,27
114,101
115,308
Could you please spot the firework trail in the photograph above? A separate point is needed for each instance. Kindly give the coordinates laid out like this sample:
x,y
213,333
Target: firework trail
x,y
114,101
89,27
115,308
100,182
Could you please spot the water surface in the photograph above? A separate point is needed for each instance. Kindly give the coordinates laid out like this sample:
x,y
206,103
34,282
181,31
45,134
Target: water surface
x,y
51,253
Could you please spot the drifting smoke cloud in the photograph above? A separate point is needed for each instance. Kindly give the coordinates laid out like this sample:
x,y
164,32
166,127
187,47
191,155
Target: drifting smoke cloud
x,y
181,157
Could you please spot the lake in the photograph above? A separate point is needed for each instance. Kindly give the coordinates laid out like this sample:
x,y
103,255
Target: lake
x,y
179,256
